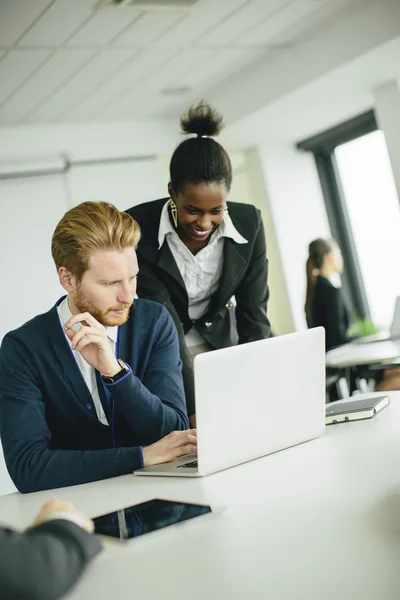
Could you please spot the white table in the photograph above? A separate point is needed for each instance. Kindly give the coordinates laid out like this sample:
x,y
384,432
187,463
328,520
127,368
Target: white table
x,y
353,354
317,521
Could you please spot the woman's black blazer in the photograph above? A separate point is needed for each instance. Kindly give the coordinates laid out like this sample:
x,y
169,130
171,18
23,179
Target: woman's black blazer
x,y
244,275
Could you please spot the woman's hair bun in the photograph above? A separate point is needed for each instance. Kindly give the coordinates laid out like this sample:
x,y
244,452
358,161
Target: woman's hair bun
x,y
202,120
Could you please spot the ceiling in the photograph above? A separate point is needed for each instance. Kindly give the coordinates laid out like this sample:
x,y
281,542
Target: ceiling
x,y
313,108
66,61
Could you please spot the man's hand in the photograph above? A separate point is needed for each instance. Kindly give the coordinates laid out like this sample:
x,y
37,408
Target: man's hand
x,y
59,506
92,342
177,443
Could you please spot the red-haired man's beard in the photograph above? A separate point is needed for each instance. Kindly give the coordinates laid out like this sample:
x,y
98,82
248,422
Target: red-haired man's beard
x,y
107,318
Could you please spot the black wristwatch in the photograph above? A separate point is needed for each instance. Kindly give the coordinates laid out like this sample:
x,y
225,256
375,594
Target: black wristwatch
x,y
124,370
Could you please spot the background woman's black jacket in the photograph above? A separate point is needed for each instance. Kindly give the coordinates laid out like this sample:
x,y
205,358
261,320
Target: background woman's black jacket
x,y
330,311
244,275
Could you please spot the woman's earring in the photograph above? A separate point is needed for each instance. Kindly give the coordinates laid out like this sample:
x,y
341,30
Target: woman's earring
x,y
225,212
174,212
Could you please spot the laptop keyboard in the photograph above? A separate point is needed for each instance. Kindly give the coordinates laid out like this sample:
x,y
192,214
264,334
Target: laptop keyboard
x,y
191,465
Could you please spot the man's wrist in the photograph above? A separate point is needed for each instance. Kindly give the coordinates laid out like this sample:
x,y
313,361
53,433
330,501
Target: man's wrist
x,y
66,516
145,457
122,370
112,370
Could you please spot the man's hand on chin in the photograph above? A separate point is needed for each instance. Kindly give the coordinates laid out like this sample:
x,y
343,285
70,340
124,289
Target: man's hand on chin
x,y
92,342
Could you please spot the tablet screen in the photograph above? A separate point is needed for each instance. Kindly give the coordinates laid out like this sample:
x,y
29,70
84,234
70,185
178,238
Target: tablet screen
x,y
142,518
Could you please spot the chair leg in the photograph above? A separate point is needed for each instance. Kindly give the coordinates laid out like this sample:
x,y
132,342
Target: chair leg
x,y
362,385
342,388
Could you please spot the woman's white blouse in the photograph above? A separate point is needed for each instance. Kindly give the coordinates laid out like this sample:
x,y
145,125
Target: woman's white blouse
x,y
201,272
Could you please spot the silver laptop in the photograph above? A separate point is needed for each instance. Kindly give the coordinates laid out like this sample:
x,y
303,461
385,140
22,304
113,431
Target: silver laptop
x,y
383,336
252,400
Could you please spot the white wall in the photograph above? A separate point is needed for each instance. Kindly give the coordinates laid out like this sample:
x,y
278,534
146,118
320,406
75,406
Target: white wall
x,y
89,142
298,211
249,185
387,109
123,184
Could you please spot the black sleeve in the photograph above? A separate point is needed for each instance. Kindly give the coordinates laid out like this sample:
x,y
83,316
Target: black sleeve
x,y
155,405
150,287
335,319
252,293
43,563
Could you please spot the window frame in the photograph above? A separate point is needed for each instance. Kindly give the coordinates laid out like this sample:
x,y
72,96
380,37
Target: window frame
x,y
323,146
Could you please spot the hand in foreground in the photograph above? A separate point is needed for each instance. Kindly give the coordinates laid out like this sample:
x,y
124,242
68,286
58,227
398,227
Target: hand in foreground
x,y
172,446
60,506
92,342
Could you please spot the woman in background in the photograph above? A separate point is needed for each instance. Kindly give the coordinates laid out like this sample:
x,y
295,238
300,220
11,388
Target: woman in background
x,y
202,257
325,305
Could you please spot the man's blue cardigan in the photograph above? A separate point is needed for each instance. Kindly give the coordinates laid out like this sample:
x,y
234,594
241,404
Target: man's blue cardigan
x,y
49,430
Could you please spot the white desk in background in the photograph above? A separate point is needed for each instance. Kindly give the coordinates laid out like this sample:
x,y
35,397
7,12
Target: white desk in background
x,y
352,355
317,521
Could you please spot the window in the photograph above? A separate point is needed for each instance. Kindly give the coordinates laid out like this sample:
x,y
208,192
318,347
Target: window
x,y
374,213
363,211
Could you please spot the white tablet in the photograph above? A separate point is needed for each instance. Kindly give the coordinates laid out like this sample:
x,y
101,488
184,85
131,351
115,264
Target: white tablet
x,y
354,409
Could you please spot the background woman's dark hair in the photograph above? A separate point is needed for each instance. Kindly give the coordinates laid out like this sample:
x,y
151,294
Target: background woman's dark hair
x,y
200,159
317,251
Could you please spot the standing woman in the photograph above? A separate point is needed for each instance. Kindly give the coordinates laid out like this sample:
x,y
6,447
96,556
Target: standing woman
x,y
202,257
